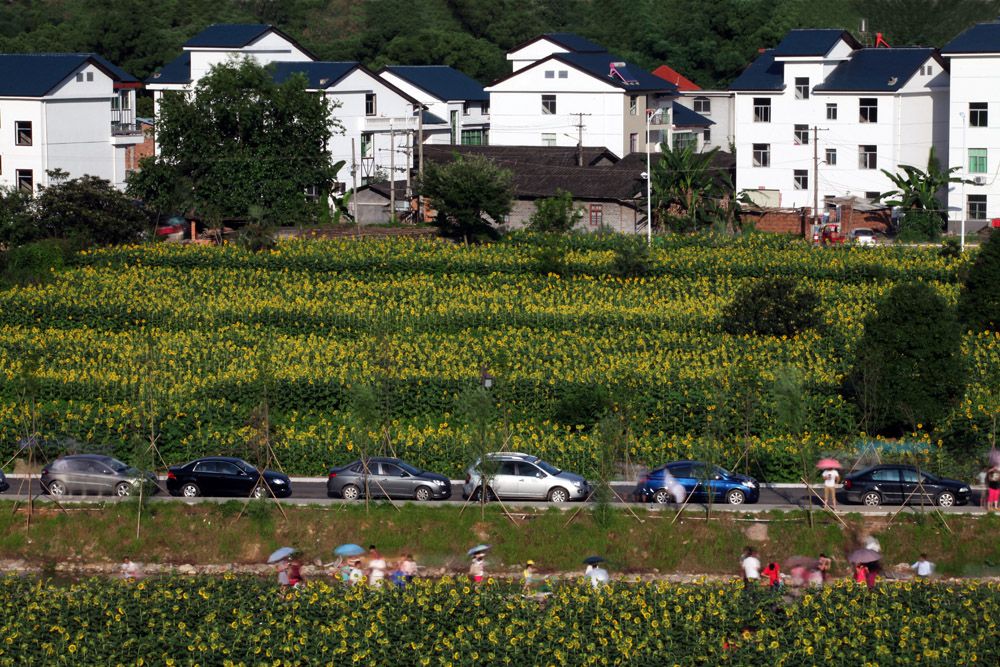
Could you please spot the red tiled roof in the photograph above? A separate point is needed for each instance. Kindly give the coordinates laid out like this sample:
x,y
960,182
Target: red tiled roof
x,y
683,83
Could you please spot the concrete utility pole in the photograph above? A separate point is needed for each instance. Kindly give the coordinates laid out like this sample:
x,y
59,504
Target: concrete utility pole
x,y
409,168
420,159
816,131
579,140
392,172
354,181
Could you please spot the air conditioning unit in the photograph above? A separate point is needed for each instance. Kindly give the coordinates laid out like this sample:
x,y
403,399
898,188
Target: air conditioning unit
x,y
979,180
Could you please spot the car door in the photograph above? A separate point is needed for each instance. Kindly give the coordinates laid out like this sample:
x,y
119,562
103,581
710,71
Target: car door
x,y
89,477
205,476
917,487
72,473
103,478
504,482
395,483
684,476
886,481
534,482
233,480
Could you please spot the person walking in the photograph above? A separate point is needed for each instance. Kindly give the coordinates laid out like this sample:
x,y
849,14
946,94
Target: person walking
x,y
376,567
773,574
751,567
831,478
477,568
860,573
408,567
923,568
993,488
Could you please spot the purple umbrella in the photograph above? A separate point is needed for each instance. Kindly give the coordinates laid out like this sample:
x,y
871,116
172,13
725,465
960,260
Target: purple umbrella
x,y
864,556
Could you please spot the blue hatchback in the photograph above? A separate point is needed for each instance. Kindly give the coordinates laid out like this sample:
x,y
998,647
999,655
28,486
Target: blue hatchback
x,y
699,480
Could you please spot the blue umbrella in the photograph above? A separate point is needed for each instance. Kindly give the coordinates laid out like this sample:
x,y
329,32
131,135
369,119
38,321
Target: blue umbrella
x,y
348,550
479,549
280,554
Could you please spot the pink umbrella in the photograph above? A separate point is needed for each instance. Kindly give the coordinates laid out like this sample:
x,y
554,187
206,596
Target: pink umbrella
x,y
828,464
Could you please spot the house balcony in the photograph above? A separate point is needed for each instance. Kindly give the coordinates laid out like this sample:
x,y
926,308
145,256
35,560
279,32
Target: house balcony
x,y
124,129
387,123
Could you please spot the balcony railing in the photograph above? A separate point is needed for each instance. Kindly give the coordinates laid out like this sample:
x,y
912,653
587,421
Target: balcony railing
x,y
119,129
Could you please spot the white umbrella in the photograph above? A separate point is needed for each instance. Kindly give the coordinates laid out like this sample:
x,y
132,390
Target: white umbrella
x,y
478,549
280,555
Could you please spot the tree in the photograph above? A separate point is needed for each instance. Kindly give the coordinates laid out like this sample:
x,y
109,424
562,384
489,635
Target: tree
x,y
771,307
470,194
242,140
15,217
87,209
687,185
979,302
476,57
908,370
555,214
916,193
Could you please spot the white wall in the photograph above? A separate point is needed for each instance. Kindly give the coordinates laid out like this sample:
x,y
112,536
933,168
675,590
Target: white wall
x,y
722,133
533,52
474,120
16,157
270,48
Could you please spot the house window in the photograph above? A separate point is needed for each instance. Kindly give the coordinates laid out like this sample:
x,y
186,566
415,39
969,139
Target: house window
x,y
930,69
22,133
454,127
867,157
90,76
801,135
485,109
873,195
550,74
975,207
977,160
762,109
548,139
978,114
366,144
312,193
466,108
548,104
703,105
25,180
633,105
800,179
684,140
370,107
831,157
79,76
563,74
831,111
633,142
596,215
868,108
802,88
762,155
473,138
706,135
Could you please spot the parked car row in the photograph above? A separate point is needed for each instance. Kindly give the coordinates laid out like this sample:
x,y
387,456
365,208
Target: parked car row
x,y
500,475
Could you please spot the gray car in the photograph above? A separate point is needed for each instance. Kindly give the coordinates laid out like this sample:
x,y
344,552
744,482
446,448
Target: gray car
x,y
386,477
93,474
512,475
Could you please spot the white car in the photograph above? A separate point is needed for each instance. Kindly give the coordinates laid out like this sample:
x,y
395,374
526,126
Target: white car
x,y
522,476
863,236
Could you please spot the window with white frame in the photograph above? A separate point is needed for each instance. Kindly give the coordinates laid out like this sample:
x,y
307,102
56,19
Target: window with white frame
x,y
977,160
762,109
978,114
800,179
706,135
466,108
762,155
831,157
370,104
867,157
367,149
548,105
548,138
975,207
25,180
485,108
802,88
23,135
473,137
868,110
703,105
801,135
633,142
831,111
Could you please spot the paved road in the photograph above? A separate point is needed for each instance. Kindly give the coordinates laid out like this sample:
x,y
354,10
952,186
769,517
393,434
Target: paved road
x,y
312,491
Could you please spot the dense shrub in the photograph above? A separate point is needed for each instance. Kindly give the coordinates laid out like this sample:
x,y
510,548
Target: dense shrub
x,y
772,307
632,258
920,226
979,302
34,262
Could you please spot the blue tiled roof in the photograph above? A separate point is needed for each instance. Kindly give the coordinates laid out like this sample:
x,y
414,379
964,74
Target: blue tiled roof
x,y
876,70
981,38
441,81
120,75
177,70
762,74
320,74
431,119
684,117
228,35
599,65
574,42
35,74
811,42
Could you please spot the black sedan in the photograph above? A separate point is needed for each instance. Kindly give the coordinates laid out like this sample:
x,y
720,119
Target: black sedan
x,y
903,484
386,477
3,482
225,476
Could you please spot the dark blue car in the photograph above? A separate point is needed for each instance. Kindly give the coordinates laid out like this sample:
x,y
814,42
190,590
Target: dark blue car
x,y
676,481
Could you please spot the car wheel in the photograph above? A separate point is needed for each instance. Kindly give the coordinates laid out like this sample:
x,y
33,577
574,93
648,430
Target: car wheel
x,y
736,497
422,493
662,497
260,491
57,488
558,495
350,492
946,499
123,489
190,490
872,499
477,494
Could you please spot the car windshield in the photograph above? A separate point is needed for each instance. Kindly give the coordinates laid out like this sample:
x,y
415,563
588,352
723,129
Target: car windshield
x,y
723,472
246,467
117,465
547,467
409,469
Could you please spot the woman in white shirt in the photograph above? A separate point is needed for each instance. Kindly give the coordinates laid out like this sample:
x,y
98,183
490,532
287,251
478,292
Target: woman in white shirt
x,y
830,480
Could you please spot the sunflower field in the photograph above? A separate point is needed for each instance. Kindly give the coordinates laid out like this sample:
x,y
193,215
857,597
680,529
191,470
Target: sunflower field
x,y
193,338
247,621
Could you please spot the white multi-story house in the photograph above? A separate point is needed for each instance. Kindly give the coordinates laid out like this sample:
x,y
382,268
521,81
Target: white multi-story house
x,y
974,126
567,91
819,117
449,95
714,106
378,120
67,111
